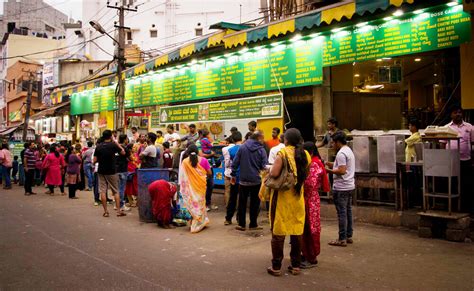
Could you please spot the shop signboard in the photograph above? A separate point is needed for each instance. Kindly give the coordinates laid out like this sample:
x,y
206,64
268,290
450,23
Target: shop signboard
x,y
15,148
425,30
261,107
155,119
14,116
48,82
247,71
285,64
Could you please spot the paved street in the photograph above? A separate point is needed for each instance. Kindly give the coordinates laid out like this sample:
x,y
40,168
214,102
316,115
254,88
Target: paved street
x,y
56,243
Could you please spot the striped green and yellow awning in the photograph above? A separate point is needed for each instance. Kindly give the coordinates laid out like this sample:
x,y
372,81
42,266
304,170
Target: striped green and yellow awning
x,y
327,15
231,38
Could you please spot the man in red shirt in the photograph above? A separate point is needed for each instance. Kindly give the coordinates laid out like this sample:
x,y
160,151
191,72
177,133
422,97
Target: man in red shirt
x,y
275,138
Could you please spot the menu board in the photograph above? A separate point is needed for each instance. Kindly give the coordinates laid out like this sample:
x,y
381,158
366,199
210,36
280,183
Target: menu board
x,y
261,107
434,29
155,119
268,68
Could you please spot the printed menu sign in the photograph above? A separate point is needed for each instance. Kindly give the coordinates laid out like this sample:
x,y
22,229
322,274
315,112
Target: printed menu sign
x,y
261,107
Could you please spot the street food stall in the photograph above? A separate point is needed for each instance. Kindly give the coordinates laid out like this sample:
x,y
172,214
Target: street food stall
x,y
215,116
15,134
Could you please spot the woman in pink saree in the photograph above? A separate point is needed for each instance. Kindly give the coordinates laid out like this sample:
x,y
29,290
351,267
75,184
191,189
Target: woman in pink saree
x,y
192,180
54,165
316,181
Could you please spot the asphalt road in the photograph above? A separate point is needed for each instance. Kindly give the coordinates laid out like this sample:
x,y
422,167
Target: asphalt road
x,y
51,243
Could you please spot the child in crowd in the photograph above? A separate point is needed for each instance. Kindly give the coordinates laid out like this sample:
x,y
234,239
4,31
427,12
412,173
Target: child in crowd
x,y
206,144
167,156
15,169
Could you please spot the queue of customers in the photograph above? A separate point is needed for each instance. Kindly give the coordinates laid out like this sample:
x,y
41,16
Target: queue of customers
x,y
249,166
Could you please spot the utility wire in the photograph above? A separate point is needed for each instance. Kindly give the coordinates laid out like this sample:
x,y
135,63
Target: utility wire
x,y
52,50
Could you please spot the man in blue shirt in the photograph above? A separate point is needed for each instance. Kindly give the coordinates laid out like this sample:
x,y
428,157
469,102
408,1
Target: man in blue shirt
x,y
250,160
234,188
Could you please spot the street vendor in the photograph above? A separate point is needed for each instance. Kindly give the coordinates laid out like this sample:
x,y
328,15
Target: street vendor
x,y
162,195
332,124
466,134
415,137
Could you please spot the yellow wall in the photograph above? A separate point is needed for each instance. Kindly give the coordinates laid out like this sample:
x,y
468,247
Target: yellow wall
x,y
21,45
267,125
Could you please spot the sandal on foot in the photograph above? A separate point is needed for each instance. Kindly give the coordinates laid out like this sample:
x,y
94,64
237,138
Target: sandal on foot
x,y
294,271
350,241
338,243
106,214
276,273
119,214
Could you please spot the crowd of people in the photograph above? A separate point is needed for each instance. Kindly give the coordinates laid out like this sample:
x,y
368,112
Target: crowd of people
x,y
250,166
109,169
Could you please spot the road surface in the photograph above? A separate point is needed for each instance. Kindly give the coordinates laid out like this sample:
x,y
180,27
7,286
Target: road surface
x,y
55,243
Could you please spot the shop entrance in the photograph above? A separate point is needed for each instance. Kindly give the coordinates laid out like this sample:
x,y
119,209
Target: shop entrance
x,y
301,115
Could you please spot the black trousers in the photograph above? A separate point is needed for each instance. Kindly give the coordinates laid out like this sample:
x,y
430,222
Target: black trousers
x,y
278,242
72,190
245,193
61,187
29,180
232,204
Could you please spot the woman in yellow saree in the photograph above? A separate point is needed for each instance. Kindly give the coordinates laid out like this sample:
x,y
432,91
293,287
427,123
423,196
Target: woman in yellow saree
x,y
192,180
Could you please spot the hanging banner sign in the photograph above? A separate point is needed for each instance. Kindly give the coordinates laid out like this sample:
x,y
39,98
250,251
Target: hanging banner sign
x,y
247,71
261,107
425,30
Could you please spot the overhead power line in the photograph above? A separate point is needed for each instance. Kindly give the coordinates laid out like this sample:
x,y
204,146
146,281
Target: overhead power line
x,y
52,50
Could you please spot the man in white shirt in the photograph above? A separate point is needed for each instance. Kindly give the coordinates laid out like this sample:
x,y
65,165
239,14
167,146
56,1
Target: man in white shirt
x,y
227,168
149,154
466,133
343,171
172,137
274,151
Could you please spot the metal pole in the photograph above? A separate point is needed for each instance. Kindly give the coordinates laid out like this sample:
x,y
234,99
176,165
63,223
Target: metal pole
x,y
28,107
120,56
119,124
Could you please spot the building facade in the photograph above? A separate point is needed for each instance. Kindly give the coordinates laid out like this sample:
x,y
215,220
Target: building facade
x,y
18,76
32,17
14,48
159,26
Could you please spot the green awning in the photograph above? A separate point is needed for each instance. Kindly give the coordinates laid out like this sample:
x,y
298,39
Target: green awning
x,y
174,55
257,34
308,21
228,25
200,45
363,6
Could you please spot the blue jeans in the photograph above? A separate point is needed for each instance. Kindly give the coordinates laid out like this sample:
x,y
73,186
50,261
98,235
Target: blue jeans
x,y
89,175
6,173
122,185
343,202
209,188
21,174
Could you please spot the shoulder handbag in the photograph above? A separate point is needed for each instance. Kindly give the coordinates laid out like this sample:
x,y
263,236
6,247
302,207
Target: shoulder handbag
x,y
284,181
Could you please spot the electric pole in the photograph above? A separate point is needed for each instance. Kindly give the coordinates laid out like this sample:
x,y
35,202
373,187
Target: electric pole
x,y
120,56
28,106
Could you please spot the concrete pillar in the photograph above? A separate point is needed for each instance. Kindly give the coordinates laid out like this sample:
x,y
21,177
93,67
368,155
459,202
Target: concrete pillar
x,y
467,71
322,102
